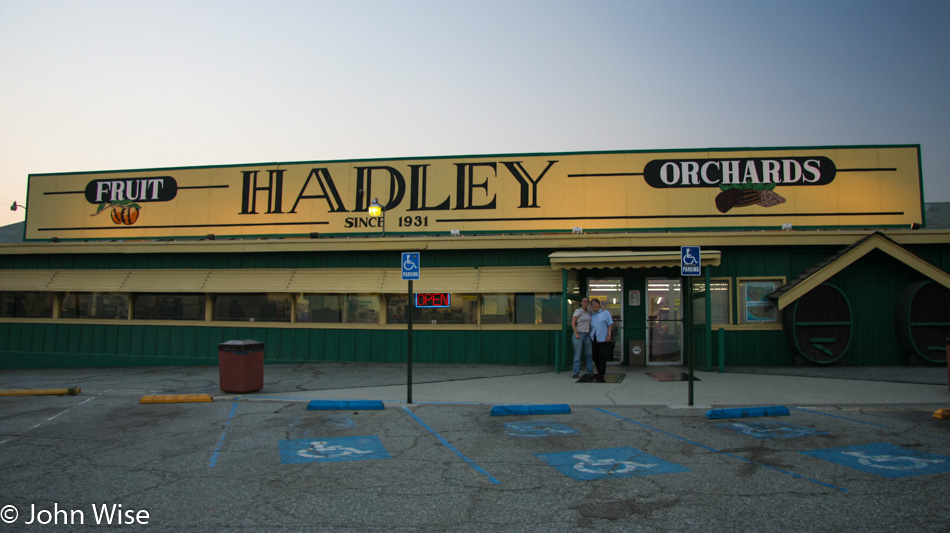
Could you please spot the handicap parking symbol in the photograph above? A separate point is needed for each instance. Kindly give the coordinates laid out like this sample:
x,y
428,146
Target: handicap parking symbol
x,y
587,465
538,428
885,460
332,450
767,429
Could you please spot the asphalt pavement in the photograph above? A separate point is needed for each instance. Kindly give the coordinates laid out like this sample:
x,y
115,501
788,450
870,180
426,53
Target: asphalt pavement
x,y
501,384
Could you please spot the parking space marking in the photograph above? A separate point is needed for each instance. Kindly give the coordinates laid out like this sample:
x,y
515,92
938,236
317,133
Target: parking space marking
x,y
448,445
885,460
57,415
767,429
743,459
589,465
227,426
332,450
538,428
841,417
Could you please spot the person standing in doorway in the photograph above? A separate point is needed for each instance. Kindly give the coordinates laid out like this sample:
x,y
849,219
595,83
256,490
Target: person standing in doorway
x,y
601,330
582,344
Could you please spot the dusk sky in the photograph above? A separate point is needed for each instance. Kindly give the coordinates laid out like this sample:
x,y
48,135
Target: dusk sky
x,y
127,84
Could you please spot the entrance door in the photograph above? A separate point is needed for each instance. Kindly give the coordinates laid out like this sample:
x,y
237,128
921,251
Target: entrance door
x,y
664,322
610,293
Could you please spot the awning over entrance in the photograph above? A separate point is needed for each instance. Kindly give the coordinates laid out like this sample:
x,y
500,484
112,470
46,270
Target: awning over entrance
x,y
621,259
825,270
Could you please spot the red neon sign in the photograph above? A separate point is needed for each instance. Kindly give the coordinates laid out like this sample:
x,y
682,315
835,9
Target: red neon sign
x,y
433,299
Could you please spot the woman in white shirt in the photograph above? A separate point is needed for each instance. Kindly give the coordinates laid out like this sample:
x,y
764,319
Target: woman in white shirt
x,y
582,345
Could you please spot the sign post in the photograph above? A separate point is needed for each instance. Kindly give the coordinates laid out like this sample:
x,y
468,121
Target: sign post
x,y
411,269
690,266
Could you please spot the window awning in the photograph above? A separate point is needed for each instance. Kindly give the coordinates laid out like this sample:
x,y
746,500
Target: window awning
x,y
320,280
650,259
825,270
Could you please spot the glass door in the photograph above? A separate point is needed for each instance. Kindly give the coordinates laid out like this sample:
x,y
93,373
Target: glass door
x,y
610,293
664,322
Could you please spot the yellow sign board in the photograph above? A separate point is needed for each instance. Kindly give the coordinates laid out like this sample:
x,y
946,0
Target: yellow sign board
x,y
825,187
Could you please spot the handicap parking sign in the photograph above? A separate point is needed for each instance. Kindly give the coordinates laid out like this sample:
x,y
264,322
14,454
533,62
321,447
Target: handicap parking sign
x,y
410,266
586,465
885,460
538,428
771,430
689,261
317,450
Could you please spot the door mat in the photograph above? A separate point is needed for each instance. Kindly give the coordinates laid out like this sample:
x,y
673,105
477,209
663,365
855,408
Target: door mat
x,y
671,376
609,378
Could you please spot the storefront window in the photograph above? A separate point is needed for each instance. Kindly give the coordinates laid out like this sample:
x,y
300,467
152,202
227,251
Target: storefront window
x,y
322,308
719,295
521,308
755,307
26,304
169,307
95,305
464,310
264,307
361,309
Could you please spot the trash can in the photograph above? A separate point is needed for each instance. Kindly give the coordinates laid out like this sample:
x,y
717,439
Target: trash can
x,y
241,365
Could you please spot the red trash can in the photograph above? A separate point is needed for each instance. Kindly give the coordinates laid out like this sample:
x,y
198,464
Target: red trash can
x,y
241,365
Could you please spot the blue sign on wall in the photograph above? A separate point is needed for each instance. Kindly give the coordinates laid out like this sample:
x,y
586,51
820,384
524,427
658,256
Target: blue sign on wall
x,y
766,429
689,261
608,463
538,428
331,450
885,460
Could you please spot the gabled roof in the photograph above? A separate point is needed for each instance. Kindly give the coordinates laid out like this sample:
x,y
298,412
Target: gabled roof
x,y
828,268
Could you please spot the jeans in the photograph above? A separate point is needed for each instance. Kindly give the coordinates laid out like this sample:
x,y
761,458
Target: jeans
x,y
582,346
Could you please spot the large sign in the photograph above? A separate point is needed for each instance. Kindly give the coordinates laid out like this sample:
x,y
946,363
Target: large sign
x,y
825,187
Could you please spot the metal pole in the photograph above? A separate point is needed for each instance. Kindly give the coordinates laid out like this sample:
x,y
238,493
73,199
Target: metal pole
x,y
688,327
409,307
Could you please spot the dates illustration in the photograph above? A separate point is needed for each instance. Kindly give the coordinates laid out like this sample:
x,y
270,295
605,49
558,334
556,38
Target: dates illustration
x,y
747,194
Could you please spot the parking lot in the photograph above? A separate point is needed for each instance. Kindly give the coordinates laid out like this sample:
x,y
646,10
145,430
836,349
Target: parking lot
x,y
73,462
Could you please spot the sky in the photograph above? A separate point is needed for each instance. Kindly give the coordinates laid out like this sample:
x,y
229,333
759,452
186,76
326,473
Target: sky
x,y
128,84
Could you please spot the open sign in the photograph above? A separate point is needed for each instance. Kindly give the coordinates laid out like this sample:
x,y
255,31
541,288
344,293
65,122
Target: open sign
x,y
433,299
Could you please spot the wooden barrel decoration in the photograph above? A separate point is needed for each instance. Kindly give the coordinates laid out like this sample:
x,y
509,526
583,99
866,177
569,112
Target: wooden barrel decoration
x,y
819,325
922,320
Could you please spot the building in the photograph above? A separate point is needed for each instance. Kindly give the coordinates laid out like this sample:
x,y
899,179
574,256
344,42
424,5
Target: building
x,y
810,255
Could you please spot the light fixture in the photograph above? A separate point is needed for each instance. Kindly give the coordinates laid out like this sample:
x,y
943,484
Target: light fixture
x,y
16,205
786,227
577,230
376,210
211,236
455,232
314,235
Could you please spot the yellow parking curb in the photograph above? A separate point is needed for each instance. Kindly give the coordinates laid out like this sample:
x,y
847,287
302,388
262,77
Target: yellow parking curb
x,y
72,391
176,398
942,413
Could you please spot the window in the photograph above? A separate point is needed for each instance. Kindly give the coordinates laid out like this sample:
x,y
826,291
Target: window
x,y
26,304
322,308
720,298
464,310
755,307
361,309
521,308
265,307
169,307
95,305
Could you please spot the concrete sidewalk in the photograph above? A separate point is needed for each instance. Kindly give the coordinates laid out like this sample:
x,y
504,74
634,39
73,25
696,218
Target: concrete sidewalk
x,y
496,384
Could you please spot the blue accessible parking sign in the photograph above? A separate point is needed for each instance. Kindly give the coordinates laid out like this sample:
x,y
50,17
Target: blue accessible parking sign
x,y
586,465
410,266
689,261
885,460
332,450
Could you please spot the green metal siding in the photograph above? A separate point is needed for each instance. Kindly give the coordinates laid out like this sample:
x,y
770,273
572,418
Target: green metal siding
x,y
25,345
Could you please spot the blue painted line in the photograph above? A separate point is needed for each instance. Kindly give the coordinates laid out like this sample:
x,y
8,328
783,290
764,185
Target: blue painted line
x,y
508,410
842,417
743,459
448,445
227,426
748,412
344,405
